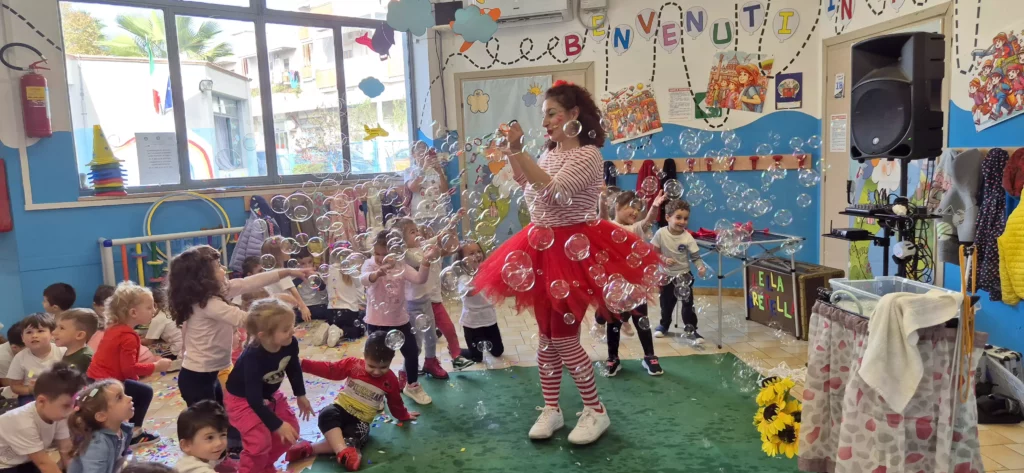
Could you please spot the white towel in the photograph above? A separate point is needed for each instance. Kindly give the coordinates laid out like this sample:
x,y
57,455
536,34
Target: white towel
x,y
892,363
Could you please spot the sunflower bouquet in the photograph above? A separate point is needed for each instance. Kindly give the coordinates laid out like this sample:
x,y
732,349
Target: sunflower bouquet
x,y
778,417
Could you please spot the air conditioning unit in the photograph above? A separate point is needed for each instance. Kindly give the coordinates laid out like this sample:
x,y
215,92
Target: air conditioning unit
x,y
529,12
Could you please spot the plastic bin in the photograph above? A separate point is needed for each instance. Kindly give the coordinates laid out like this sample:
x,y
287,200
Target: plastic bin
x,y
868,291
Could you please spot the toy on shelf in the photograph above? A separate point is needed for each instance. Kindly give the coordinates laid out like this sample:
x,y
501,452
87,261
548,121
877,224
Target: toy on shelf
x,y
107,175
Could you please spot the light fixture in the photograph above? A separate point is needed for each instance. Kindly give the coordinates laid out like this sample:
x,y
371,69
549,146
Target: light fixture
x,y
205,85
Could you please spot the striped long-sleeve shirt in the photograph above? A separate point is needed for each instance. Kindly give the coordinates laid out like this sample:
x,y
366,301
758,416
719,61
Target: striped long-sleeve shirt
x,y
576,174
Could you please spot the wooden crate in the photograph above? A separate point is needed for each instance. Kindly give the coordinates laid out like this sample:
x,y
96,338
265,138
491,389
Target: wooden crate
x,y
775,302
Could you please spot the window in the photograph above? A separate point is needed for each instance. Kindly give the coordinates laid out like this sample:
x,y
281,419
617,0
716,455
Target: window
x,y
230,127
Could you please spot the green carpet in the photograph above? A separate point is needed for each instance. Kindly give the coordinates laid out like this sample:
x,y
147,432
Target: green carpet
x,y
695,418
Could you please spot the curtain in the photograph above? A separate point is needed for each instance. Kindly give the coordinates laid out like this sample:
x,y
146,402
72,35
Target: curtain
x,y
847,428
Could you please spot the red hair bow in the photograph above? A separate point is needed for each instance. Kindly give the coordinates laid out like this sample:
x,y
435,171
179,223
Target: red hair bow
x,y
561,82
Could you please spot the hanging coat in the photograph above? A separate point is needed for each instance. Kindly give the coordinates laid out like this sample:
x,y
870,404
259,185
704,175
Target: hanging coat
x,y
991,222
610,173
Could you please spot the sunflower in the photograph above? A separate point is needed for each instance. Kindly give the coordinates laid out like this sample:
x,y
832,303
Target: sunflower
x,y
770,419
789,438
770,445
794,408
773,388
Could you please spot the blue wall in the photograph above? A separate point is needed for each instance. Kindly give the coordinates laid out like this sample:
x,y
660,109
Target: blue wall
x,y
787,124
1003,323
48,246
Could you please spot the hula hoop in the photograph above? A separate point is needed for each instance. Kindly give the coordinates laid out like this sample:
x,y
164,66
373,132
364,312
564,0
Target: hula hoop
x,y
147,227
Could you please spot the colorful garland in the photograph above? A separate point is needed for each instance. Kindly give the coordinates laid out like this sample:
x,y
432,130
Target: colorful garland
x,y
778,418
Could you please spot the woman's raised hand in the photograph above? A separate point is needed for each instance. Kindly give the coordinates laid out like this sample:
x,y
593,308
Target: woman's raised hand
x,y
514,135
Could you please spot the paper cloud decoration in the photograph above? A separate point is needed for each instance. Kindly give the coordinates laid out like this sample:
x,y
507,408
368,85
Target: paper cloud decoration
x,y
529,99
478,101
413,16
474,25
371,87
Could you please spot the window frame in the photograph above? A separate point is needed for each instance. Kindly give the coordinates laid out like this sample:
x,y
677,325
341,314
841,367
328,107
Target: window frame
x,y
257,13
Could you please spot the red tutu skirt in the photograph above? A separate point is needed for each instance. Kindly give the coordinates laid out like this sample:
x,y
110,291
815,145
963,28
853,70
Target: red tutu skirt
x,y
568,269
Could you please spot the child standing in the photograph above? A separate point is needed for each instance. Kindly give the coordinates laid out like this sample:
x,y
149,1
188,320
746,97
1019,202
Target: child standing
x,y
101,429
626,217
385,280
58,297
26,432
678,246
74,329
202,436
369,383
163,328
479,317
118,355
255,405
419,303
273,246
39,356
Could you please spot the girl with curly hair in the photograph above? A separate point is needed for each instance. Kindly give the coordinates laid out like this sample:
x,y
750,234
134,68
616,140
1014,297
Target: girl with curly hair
x,y
198,293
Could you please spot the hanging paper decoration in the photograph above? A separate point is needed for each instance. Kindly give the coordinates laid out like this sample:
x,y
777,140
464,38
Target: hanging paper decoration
x,y
410,16
475,25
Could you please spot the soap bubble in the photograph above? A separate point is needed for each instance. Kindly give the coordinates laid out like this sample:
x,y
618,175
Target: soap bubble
x,y
643,323
623,152
667,141
673,189
268,262
394,340
480,410
577,247
750,195
540,238
572,128
592,134
803,200
790,247
569,319
422,323
618,235
606,125
814,142
808,177
735,203
756,293
764,149
691,148
299,207
649,186
559,289
485,346
279,204
601,257
796,143
704,136
683,292
760,207
641,248
728,135
783,217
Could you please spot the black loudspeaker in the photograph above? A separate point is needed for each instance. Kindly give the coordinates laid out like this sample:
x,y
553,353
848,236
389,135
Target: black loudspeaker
x,y
896,100
444,12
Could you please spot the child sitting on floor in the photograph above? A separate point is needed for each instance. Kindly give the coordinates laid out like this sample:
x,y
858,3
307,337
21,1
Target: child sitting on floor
x,y
163,329
40,354
369,383
28,431
99,304
58,297
100,427
74,329
202,436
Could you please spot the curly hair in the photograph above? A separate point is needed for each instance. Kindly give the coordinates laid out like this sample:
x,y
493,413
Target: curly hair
x,y
90,401
126,297
192,281
571,96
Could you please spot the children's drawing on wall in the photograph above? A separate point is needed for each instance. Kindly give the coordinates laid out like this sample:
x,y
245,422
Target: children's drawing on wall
x,y
632,112
738,81
998,88
789,93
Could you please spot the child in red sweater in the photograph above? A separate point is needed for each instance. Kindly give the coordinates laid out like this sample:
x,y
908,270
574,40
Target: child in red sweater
x,y
369,383
118,354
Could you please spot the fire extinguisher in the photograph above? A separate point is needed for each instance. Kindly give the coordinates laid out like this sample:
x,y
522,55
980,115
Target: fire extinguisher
x,y
35,96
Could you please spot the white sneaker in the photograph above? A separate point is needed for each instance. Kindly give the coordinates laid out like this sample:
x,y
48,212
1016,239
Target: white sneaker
x,y
659,334
318,335
334,335
549,421
590,426
417,394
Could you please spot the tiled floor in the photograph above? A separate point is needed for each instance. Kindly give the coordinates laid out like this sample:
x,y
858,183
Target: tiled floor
x,y
761,347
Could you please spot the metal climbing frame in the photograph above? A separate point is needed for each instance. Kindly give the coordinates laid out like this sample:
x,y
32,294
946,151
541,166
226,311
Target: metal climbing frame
x,y
107,247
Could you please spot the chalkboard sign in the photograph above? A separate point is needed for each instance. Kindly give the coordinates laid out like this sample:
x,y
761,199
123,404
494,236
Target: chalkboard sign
x,y
771,288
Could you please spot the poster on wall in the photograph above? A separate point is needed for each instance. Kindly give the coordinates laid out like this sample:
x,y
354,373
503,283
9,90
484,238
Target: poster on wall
x,y
837,133
738,81
839,89
789,91
680,104
997,89
494,215
632,112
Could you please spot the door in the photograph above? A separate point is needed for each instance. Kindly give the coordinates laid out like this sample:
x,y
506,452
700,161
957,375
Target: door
x,y
840,172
